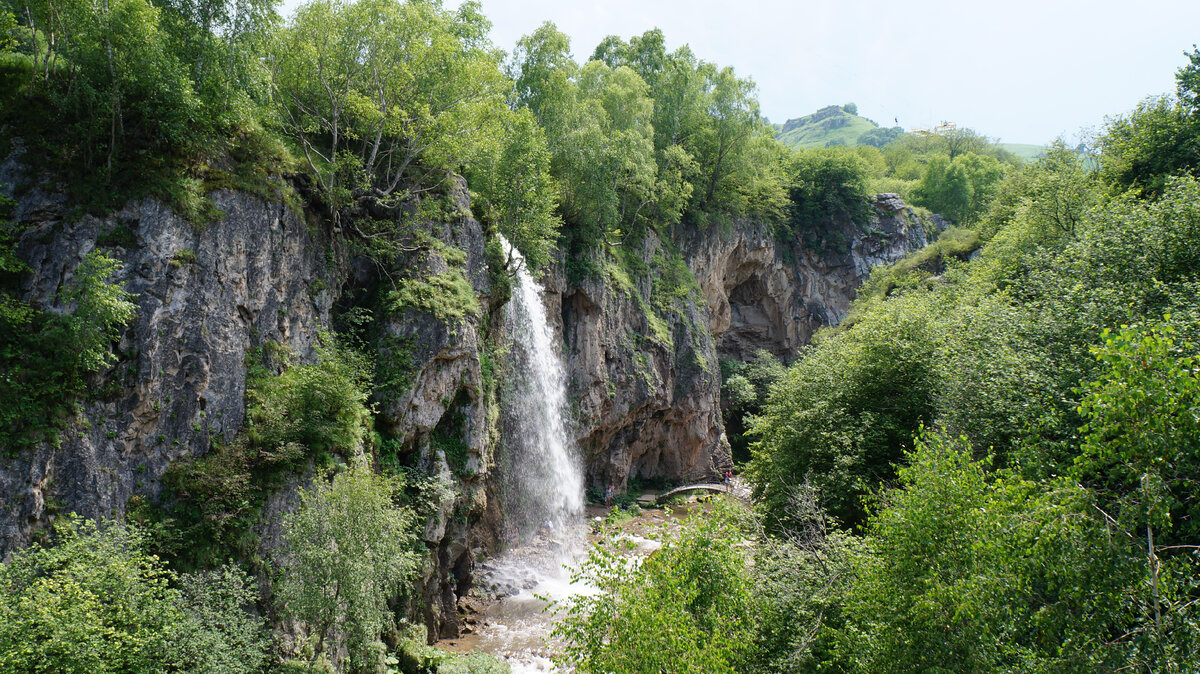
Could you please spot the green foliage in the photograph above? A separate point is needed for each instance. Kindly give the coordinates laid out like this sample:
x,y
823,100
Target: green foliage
x,y
319,406
48,356
641,139
687,607
1159,139
448,296
97,602
183,257
955,243
346,553
384,97
880,137
960,189
801,579
844,412
101,311
1142,434
745,389
1058,190
828,187
311,411
107,82
211,504
395,371
985,557
219,42
513,191
448,437
120,235
991,572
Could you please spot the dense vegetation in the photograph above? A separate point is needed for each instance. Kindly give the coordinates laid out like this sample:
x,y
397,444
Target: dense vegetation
x,y
992,465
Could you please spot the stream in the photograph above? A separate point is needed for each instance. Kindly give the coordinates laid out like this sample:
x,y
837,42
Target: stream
x,y
511,621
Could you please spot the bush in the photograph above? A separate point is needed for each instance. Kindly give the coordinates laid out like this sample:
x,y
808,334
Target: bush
x,y
997,573
843,414
827,186
47,356
96,602
688,607
321,406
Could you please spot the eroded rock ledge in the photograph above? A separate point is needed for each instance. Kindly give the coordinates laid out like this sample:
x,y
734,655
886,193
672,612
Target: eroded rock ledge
x,y
650,407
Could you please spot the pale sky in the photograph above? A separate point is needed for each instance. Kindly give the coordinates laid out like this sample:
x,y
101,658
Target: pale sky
x,y
1023,71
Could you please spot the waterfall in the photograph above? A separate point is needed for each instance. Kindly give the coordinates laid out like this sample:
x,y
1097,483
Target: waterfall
x,y
544,484
542,487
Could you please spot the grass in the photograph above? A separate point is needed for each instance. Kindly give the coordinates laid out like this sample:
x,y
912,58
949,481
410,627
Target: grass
x,y
1025,151
827,126
954,243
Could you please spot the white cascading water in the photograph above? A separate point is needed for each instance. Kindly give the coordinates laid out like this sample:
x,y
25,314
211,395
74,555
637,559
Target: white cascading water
x,y
542,490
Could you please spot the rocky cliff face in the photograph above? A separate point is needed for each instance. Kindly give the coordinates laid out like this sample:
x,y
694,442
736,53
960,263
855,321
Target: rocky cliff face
x,y
642,340
644,368
764,293
205,298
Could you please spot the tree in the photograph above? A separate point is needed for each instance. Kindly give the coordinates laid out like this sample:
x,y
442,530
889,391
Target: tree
x,y
977,570
220,41
733,122
1187,82
1142,438
605,159
101,311
541,69
106,76
843,415
1157,140
827,187
945,188
385,98
347,551
320,406
512,188
47,356
880,137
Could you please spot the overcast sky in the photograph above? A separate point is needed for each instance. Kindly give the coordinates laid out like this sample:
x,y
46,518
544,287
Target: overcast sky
x,y
1023,71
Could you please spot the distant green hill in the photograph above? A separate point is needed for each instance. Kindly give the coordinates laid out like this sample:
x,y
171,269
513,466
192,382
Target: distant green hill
x,y
833,125
1024,151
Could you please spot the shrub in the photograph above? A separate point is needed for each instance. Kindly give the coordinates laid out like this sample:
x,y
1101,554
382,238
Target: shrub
x,y
97,602
48,356
321,406
687,607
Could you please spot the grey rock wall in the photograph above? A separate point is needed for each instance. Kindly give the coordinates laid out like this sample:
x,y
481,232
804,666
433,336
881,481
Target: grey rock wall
x,y
763,293
182,365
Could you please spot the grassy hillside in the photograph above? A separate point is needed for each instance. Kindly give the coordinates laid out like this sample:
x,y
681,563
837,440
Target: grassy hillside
x,y
829,125
834,125
1024,151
